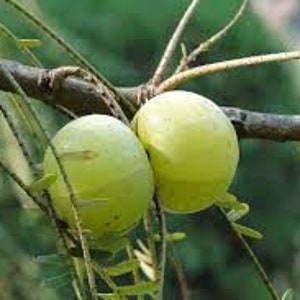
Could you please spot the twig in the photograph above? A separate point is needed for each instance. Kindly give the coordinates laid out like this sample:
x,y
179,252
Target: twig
x,y
47,210
184,290
53,80
111,284
85,249
23,186
169,51
258,266
163,254
17,136
46,206
186,59
9,34
135,271
177,79
68,48
150,241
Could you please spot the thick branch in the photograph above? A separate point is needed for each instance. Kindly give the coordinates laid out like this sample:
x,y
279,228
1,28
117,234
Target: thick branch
x,y
81,98
249,124
77,95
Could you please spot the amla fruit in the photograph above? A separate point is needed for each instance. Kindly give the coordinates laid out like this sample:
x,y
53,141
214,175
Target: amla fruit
x,y
192,147
109,172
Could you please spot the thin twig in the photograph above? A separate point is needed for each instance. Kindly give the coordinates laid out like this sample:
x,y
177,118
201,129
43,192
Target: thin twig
x,y
55,77
111,284
69,49
47,209
31,57
163,254
135,271
169,51
74,207
186,59
184,290
178,79
46,206
9,34
18,138
258,266
151,244
24,117
63,235
23,186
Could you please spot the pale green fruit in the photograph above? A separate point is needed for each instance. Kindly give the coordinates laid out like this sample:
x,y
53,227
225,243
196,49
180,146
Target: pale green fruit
x,y
109,171
192,147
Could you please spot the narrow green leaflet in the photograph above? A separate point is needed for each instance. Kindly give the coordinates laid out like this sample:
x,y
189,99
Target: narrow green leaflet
x,y
30,43
288,295
234,215
108,296
229,201
51,259
246,231
59,280
174,237
55,271
139,289
122,268
42,183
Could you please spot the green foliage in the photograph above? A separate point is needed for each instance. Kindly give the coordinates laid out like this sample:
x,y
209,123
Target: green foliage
x,y
42,183
288,295
124,40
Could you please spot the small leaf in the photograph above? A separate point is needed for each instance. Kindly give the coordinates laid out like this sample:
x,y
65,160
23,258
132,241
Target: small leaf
x,y
108,296
122,268
142,288
247,231
55,271
235,215
42,183
58,281
229,201
51,259
174,237
142,257
148,270
288,295
144,249
30,43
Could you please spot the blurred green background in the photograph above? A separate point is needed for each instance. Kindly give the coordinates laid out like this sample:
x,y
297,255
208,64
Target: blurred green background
x,y
124,40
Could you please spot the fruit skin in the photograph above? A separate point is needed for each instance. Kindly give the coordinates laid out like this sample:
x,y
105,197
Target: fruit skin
x,y
192,147
109,171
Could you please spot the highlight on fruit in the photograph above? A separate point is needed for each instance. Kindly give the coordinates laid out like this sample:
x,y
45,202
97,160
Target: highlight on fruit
x,y
192,147
109,172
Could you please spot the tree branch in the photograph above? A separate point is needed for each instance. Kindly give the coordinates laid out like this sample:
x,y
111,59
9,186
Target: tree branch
x,y
204,46
178,79
249,124
173,43
82,98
